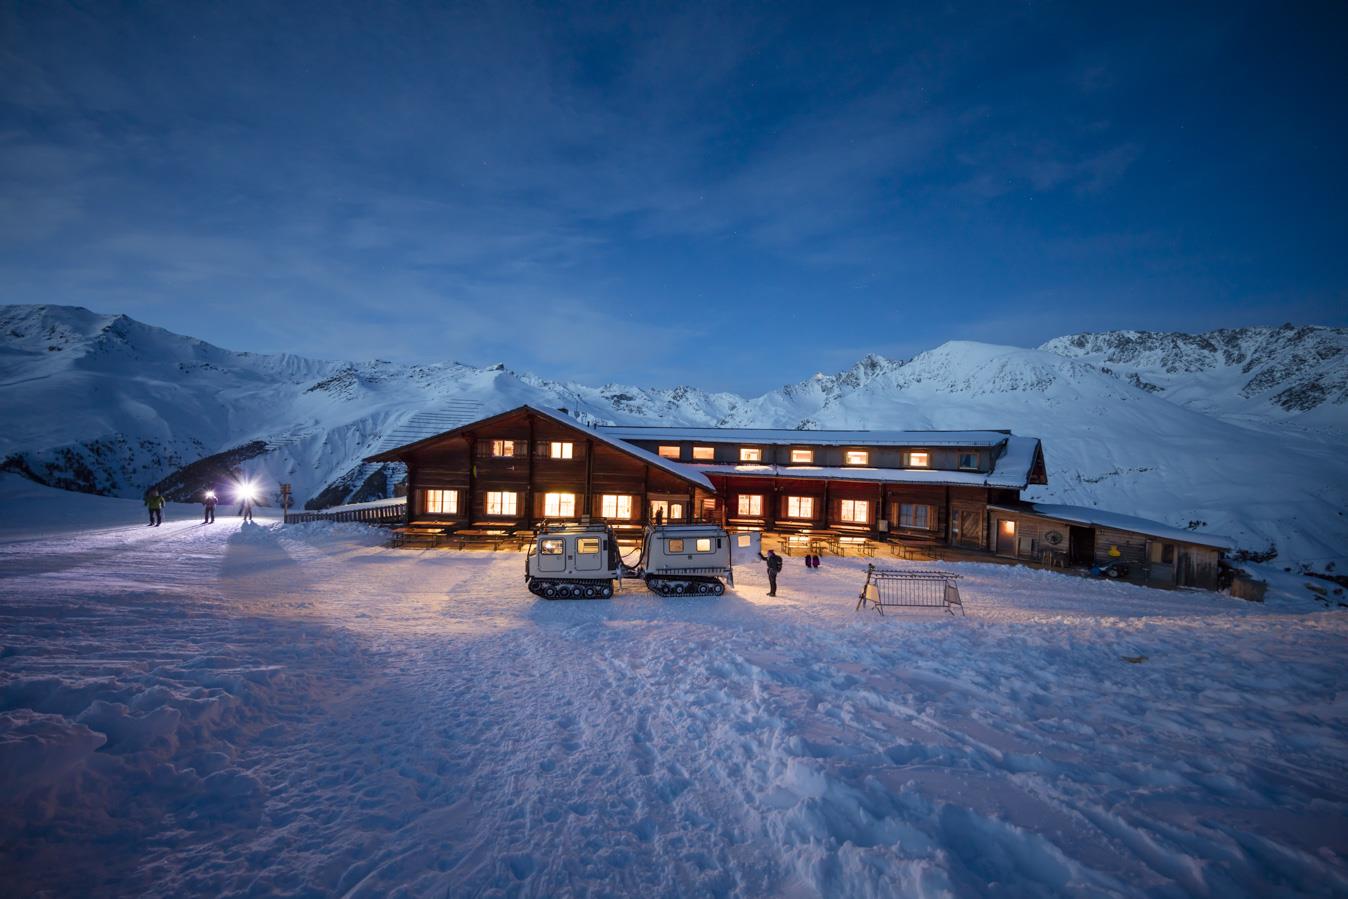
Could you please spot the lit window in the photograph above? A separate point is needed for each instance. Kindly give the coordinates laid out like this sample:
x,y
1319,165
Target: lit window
x,y
1008,527
751,504
615,506
673,546
442,502
744,540
969,461
587,545
855,510
800,507
562,449
802,456
669,452
915,516
550,546
919,459
502,448
501,502
704,453
559,505
857,457
704,544
751,454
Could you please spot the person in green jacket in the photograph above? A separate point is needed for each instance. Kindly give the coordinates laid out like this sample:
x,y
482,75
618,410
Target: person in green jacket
x,y
155,502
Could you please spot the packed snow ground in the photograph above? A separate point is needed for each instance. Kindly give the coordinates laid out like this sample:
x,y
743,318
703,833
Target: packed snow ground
x,y
234,709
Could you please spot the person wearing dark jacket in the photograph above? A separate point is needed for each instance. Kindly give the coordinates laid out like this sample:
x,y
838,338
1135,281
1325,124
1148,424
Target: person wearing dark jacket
x,y
774,566
209,503
155,502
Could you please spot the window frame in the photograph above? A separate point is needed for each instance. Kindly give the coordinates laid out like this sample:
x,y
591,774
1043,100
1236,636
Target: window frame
x,y
756,499
560,497
801,503
440,493
931,516
562,450
674,546
751,454
664,451
864,454
969,454
704,453
617,504
807,456
501,511
504,448
865,511
908,459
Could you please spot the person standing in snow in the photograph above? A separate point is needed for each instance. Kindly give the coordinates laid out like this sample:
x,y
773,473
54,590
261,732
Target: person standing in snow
x,y
246,508
209,503
155,502
774,566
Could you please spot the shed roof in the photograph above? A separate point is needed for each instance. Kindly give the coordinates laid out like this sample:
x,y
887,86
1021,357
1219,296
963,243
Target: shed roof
x,y
1100,518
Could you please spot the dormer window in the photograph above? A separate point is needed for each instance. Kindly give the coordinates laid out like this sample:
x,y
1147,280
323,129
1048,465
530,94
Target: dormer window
x,y
969,461
802,456
751,454
704,453
669,452
917,459
857,457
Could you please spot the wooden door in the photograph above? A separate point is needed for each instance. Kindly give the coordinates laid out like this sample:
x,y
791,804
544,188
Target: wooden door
x,y
1006,537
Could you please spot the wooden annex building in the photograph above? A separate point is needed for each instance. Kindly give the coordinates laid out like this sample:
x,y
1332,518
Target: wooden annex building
x,y
950,488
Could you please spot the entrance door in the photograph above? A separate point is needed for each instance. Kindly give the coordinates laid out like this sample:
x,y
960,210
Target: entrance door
x,y
550,554
667,510
588,555
1006,537
1081,546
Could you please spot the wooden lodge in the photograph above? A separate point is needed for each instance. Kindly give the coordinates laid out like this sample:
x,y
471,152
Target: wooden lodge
x,y
957,489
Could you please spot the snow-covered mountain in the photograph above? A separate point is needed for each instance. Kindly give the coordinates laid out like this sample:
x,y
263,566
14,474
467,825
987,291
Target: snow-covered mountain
x,y
1240,430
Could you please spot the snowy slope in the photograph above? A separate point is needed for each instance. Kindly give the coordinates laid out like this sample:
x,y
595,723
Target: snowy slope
x,y
1240,430
1257,377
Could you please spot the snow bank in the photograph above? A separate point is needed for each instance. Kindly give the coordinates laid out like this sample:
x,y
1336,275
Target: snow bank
x,y
264,709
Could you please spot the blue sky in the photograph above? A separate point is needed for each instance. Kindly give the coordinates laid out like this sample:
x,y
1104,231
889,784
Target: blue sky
x,y
729,195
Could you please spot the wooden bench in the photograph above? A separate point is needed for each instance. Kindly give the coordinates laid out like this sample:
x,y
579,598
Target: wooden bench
x,y
417,536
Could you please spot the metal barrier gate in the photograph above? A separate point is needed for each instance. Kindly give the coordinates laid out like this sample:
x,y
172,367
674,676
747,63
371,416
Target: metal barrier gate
x,y
914,589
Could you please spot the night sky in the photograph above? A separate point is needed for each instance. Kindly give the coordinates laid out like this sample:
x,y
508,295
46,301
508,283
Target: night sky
x,y
732,196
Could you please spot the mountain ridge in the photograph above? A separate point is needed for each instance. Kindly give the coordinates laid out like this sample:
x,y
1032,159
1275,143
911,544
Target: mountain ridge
x,y
1175,427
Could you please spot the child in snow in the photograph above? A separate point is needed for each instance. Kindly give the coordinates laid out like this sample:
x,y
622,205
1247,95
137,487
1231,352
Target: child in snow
x,y
155,502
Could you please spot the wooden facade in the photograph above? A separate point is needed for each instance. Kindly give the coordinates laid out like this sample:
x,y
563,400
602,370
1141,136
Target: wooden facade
x,y
523,467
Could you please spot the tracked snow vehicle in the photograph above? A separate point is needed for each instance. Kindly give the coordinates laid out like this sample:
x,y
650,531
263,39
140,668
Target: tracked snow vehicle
x,y
682,559
583,562
579,562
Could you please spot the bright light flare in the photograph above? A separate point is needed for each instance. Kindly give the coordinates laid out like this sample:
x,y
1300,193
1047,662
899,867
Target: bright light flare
x,y
210,494
246,492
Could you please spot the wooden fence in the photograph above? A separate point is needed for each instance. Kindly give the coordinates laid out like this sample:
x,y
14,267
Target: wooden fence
x,y
380,512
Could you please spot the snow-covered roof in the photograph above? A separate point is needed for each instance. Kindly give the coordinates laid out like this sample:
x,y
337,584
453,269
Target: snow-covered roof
x,y
686,472
790,436
931,476
1088,516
